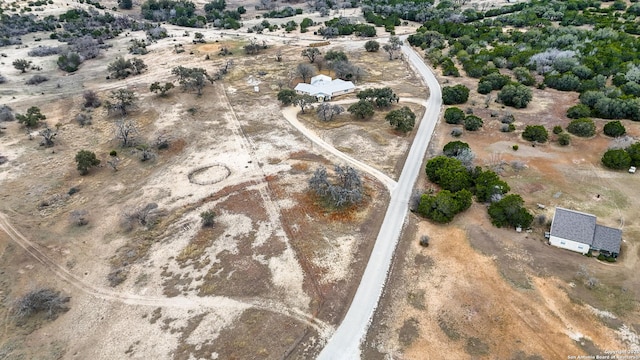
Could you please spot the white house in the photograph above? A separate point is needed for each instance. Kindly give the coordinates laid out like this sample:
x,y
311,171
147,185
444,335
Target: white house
x,y
578,231
324,88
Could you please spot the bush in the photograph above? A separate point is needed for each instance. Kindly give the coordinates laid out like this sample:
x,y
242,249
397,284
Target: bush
x,y
582,127
578,111
614,129
515,147
472,123
6,113
69,62
83,119
36,79
372,46
457,94
44,300
453,148
616,159
557,129
44,51
91,99
564,139
535,133
207,217
456,132
86,160
516,95
454,115
443,206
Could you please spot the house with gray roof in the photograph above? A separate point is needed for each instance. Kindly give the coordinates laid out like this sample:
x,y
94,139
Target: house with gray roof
x,y
578,231
323,88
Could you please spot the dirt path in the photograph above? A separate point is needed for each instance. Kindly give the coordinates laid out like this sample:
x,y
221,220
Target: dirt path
x,y
175,302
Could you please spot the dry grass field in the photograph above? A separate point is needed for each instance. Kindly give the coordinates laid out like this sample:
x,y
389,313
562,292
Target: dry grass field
x,y
275,274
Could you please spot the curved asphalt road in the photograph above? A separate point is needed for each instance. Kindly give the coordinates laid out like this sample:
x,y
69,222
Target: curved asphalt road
x,y
345,342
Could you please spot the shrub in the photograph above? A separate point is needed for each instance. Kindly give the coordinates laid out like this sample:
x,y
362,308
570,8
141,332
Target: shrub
x,y
91,99
472,123
582,127
6,113
454,115
44,51
564,139
507,127
456,132
616,159
516,95
457,94
83,119
86,160
578,111
557,129
69,62
453,148
44,300
36,79
424,241
515,147
372,46
614,129
443,206
207,217
535,133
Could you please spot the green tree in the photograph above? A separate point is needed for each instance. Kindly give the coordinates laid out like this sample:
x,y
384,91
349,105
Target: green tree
x,y
304,101
335,55
516,95
287,96
634,153
122,101
523,76
32,118
403,119
449,173
454,115
582,127
509,212
614,129
472,123
372,46
22,64
381,97
616,159
443,206
156,87
457,94
488,186
311,53
535,133
86,160
362,109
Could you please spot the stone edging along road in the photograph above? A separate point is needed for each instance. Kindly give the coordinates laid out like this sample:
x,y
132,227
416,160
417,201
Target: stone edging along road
x,y
345,342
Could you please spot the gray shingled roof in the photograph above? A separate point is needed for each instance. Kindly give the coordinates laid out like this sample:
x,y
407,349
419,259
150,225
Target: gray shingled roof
x,y
607,239
573,225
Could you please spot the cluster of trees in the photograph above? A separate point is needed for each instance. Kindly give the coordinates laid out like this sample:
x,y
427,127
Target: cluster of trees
x,y
460,181
345,26
183,13
622,159
334,60
345,190
456,116
370,99
121,68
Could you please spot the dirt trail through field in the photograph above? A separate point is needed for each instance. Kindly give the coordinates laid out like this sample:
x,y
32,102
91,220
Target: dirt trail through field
x,y
176,302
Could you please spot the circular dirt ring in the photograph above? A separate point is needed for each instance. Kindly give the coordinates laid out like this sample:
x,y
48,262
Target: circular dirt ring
x,y
209,174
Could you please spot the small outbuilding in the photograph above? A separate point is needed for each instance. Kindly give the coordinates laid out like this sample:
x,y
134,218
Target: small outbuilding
x,y
578,231
324,88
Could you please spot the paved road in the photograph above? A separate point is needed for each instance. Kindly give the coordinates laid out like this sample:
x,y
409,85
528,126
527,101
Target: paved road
x,y
345,342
